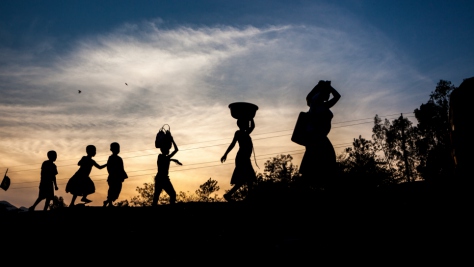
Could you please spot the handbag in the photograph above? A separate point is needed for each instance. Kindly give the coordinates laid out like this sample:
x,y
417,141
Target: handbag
x,y
300,132
163,138
5,182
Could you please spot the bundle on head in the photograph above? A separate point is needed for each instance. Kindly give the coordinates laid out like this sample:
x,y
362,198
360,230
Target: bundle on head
x,y
323,88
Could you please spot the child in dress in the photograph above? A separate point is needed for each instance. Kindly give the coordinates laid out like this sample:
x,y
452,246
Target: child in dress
x,y
117,175
48,180
243,172
80,184
162,180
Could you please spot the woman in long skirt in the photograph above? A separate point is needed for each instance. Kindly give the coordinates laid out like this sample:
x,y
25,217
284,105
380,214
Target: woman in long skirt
x,y
319,160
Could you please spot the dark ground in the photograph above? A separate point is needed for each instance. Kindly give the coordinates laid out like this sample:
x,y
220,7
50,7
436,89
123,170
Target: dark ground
x,y
427,222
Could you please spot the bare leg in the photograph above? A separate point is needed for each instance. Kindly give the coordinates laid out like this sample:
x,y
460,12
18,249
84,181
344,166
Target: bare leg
x,y
232,191
156,196
84,198
73,200
46,204
109,203
171,192
32,208
158,189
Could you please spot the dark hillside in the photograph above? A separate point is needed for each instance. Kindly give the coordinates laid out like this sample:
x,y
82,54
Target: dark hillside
x,y
411,217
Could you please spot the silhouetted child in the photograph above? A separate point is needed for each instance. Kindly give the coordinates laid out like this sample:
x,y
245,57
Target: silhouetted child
x,y
243,172
117,175
162,180
80,184
48,181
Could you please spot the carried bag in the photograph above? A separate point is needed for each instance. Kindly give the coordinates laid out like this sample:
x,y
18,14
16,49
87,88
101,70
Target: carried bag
x,y
163,138
300,133
5,182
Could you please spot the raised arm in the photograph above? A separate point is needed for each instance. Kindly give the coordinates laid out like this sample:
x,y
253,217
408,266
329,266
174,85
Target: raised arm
x,y
335,97
231,146
252,126
175,148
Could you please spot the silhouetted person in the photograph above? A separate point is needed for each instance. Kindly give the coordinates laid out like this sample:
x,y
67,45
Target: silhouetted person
x,y
319,160
117,175
162,180
48,181
80,184
243,172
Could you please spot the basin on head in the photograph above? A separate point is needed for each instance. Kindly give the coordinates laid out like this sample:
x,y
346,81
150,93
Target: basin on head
x,y
243,110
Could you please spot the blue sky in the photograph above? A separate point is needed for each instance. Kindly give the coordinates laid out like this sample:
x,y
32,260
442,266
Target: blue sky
x,y
430,32
185,61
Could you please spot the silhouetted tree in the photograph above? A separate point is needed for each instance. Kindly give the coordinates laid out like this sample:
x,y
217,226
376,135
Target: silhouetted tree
x,y
275,182
145,194
206,190
279,169
58,202
401,140
433,142
240,194
122,203
379,141
421,151
183,197
360,166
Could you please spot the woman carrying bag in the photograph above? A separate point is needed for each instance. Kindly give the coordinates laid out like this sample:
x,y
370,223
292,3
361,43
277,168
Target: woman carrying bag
x,y
319,160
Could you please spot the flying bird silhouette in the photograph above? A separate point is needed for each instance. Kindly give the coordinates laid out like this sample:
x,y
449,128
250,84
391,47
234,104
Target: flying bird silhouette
x,y
79,91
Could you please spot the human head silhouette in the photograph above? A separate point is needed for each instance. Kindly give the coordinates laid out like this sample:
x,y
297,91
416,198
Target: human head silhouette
x,y
52,155
90,149
321,97
320,93
325,92
243,124
115,148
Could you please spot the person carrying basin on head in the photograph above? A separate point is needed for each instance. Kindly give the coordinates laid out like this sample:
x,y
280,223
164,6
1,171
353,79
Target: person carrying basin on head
x,y
244,173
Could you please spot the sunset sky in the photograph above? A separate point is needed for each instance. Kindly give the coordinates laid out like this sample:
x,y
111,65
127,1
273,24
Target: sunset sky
x,y
186,61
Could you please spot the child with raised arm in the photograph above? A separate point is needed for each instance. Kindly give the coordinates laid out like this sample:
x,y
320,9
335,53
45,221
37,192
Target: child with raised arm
x,y
80,184
162,180
117,175
48,181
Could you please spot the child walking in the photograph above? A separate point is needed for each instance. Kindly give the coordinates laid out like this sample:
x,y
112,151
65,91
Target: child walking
x,y
80,184
243,172
162,180
48,181
117,175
